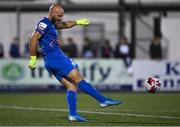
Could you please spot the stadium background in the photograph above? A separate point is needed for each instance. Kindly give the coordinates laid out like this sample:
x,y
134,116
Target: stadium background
x,y
24,91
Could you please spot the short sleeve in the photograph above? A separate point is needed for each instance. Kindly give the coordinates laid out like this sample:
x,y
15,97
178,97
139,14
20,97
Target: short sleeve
x,y
42,28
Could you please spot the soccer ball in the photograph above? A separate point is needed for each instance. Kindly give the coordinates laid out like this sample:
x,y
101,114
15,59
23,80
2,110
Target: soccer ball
x,y
152,85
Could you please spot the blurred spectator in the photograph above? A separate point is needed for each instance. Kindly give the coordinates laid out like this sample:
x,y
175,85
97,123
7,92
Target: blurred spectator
x,y
88,50
1,51
123,51
72,48
14,48
26,50
106,50
155,49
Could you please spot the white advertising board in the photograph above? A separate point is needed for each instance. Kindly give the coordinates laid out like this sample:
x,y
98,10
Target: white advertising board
x,y
167,71
96,71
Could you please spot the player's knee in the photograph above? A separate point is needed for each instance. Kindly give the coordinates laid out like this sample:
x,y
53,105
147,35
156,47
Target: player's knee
x,y
72,88
78,79
75,76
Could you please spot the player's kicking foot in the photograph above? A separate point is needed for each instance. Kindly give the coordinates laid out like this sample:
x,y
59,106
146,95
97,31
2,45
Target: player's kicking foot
x,y
110,102
77,118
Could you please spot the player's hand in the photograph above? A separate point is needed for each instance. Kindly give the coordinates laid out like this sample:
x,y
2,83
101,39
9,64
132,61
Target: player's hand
x,y
32,62
83,22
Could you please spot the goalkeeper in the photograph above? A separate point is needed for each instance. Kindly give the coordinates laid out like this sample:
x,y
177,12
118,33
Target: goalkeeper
x,y
58,64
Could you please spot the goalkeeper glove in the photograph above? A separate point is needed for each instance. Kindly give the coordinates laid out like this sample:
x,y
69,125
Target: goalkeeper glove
x,y
83,22
32,62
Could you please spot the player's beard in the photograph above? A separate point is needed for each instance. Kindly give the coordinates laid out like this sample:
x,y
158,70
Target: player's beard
x,y
55,22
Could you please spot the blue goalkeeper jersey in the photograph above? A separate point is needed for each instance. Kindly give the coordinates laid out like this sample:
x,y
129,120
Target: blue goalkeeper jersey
x,y
49,39
55,61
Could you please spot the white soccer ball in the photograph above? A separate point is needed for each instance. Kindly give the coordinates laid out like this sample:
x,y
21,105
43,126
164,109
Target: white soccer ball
x,y
152,85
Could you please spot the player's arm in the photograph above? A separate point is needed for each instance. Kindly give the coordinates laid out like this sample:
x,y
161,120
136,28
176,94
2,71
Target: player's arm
x,y
32,49
70,24
66,24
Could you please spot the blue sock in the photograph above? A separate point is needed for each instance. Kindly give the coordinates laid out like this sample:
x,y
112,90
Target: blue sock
x,y
90,90
71,100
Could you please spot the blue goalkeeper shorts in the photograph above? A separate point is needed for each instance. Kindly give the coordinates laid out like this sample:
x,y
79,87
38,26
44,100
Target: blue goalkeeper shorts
x,y
59,65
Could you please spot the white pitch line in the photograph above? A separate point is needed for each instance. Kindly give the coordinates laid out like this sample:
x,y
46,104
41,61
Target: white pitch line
x,y
88,112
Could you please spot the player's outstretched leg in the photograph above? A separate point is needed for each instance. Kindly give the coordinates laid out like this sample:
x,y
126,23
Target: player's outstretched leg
x,y
71,97
90,90
76,77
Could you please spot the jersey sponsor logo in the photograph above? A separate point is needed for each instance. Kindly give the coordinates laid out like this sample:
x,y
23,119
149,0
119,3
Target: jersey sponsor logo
x,y
42,26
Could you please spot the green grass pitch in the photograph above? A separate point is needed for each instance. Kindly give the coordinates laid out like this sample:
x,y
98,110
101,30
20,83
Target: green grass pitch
x,y
50,109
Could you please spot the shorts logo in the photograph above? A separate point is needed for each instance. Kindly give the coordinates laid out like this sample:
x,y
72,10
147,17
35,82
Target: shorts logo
x,y
42,26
